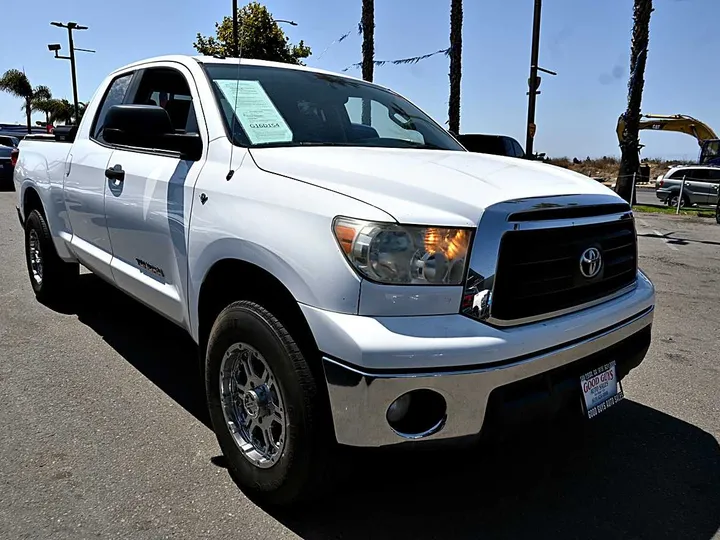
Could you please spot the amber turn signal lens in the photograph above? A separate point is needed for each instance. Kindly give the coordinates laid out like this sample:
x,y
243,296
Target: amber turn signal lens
x,y
346,236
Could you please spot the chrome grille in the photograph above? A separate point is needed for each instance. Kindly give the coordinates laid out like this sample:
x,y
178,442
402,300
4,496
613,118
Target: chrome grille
x,y
539,270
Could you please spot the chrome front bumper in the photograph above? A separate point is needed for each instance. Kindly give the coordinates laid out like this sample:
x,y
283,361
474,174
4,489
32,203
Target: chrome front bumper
x,y
360,399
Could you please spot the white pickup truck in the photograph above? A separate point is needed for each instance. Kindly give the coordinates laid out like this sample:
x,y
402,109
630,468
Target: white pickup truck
x,y
350,273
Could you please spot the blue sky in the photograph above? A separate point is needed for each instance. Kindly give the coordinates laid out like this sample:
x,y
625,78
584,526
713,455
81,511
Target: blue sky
x,y
586,41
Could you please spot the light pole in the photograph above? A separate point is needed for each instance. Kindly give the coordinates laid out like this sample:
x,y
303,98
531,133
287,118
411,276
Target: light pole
x,y
56,47
236,49
534,80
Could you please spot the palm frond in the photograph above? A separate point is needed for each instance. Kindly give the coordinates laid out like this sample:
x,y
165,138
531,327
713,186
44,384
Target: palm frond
x,y
15,82
41,93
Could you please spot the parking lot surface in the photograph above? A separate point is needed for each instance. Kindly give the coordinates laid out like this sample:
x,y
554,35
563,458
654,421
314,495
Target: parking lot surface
x,y
104,432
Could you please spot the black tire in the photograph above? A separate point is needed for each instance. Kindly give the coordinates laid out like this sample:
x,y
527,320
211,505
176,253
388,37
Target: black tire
x,y
302,468
717,213
672,201
56,278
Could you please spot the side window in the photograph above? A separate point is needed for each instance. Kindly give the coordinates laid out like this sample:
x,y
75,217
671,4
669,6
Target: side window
x,y
689,174
509,148
714,176
168,88
115,95
383,123
519,152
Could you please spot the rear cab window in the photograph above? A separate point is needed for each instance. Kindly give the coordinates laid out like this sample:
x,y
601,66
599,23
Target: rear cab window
x,y
115,95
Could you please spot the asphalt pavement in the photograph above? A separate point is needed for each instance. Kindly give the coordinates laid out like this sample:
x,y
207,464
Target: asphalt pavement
x,y
104,434
646,196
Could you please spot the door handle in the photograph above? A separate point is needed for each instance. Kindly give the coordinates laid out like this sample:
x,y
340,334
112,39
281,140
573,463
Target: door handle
x,y
115,173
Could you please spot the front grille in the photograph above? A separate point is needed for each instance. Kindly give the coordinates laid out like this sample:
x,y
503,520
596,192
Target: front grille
x,y
538,271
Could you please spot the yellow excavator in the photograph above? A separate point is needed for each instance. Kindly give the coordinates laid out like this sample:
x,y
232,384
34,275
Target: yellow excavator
x,y
680,123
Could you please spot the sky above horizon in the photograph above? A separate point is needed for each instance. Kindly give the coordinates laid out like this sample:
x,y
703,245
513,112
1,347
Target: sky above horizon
x,y
586,41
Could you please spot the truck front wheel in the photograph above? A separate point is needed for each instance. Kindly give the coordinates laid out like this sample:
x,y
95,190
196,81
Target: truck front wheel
x,y
51,277
264,406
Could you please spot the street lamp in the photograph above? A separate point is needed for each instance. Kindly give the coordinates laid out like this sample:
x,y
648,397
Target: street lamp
x,y
534,80
55,47
291,23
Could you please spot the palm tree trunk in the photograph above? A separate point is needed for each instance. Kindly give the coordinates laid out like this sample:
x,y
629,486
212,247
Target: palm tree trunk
x,y
630,147
28,114
456,20
367,22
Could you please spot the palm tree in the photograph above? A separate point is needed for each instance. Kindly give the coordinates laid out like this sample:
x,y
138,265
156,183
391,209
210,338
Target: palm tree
x,y
41,99
367,25
630,147
15,82
61,110
456,20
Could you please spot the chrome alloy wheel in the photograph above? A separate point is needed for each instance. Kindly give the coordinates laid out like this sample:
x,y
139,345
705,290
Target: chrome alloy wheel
x,y
252,405
36,258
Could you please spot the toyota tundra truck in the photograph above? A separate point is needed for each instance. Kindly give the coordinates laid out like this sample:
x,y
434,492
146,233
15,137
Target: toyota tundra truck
x,y
352,276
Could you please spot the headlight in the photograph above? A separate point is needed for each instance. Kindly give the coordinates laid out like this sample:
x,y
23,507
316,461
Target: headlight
x,y
404,254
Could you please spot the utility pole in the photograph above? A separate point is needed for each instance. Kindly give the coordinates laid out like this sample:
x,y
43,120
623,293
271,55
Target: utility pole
x,y
532,94
534,81
236,46
55,47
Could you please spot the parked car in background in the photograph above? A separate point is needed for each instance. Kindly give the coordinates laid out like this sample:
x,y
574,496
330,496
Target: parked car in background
x,y
8,158
7,140
702,185
498,145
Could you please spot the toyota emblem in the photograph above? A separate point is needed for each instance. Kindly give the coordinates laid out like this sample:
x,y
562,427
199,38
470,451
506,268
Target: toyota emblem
x,y
590,262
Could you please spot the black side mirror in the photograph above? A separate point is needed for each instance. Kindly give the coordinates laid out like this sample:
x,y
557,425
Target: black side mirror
x,y
189,145
148,126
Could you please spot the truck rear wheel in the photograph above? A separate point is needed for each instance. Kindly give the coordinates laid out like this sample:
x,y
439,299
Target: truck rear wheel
x,y
51,277
264,406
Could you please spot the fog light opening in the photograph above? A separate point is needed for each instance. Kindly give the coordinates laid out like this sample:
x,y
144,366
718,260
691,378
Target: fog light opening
x,y
417,414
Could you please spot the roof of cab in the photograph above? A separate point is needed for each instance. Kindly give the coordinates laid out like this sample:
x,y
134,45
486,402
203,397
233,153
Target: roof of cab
x,y
185,59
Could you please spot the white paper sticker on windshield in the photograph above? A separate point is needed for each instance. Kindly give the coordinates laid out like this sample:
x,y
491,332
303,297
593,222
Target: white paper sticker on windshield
x,y
258,116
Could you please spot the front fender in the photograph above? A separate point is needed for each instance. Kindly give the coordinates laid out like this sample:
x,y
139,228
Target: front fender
x,y
307,285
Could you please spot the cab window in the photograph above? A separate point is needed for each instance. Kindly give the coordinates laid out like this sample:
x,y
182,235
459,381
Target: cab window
x,y
168,88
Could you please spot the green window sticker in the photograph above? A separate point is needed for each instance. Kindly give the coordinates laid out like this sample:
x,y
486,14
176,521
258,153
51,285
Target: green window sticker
x,y
257,114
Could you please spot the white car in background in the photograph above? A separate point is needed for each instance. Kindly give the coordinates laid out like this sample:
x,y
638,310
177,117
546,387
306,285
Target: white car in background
x,y
702,185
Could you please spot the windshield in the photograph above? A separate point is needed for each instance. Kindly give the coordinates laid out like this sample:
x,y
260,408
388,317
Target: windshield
x,y
710,151
270,106
8,141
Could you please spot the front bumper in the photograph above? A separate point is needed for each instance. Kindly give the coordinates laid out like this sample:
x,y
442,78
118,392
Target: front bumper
x,y
546,380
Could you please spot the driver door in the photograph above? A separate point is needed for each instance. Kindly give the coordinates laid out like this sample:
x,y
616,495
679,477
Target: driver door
x,y
147,202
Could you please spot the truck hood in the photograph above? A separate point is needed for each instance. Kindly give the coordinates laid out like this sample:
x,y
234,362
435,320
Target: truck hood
x,y
424,186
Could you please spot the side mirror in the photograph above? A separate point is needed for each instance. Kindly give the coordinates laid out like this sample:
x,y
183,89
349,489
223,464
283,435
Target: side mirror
x,y
189,145
148,126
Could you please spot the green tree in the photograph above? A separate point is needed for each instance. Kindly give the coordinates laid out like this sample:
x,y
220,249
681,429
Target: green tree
x,y
42,97
260,38
456,20
15,82
630,147
61,110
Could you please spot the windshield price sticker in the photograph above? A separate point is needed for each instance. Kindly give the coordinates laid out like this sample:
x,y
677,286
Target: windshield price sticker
x,y
257,114
601,389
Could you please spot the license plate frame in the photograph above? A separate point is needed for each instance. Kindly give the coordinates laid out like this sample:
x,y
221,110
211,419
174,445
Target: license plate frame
x,y
600,389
